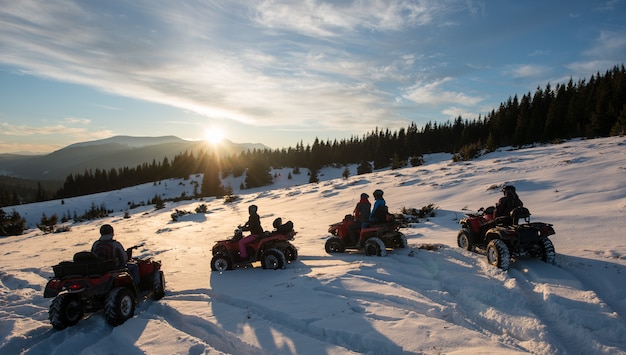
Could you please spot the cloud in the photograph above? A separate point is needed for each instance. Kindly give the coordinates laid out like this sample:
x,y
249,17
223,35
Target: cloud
x,y
609,45
434,94
329,19
76,120
454,112
9,129
607,51
181,56
527,71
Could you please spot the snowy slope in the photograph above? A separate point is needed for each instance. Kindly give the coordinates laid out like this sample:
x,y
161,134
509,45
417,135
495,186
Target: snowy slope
x,y
416,301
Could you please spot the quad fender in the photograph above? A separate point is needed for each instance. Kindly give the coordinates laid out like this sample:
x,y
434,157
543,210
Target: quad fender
x,y
501,233
394,239
334,228
219,248
123,279
545,229
91,284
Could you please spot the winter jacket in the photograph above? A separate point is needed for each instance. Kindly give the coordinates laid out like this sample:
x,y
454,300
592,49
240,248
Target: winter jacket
x,y
253,225
507,203
109,248
362,210
379,211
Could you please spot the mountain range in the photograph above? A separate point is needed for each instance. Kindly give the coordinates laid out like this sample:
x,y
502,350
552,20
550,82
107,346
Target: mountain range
x,y
105,154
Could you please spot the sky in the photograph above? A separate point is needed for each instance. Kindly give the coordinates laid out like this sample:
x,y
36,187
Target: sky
x,y
282,72
430,299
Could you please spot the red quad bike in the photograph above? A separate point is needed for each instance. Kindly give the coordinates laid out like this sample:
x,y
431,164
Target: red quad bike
x,y
375,239
88,284
273,249
506,238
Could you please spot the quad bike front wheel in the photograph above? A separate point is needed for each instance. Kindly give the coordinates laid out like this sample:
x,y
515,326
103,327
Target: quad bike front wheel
x,y
548,254
158,285
401,241
119,306
498,254
291,253
273,259
463,240
375,246
221,262
334,245
65,310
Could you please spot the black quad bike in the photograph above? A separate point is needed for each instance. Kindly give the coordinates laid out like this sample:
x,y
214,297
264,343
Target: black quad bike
x,y
273,249
88,284
375,239
506,238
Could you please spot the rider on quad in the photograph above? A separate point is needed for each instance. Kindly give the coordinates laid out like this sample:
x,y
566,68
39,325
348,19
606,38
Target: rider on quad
x,y
253,225
379,211
506,204
108,248
361,215
505,232
378,233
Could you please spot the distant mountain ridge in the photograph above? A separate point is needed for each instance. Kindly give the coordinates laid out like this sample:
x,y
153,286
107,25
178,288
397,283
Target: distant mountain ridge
x,y
134,142
105,154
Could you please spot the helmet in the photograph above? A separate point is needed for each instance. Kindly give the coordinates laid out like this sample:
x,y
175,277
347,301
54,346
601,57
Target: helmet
x,y
364,195
378,194
106,229
252,209
508,188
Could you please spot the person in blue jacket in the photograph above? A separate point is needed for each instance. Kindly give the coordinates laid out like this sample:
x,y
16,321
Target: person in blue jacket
x,y
379,210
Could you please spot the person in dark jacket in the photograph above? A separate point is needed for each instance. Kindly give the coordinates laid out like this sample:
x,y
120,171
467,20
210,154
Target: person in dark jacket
x,y
361,215
254,226
110,249
507,203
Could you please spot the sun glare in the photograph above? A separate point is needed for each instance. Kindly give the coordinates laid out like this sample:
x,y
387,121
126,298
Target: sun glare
x,y
213,135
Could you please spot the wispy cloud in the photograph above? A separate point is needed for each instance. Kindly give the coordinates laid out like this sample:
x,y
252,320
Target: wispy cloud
x,y
434,93
278,63
609,45
330,19
606,52
527,71
24,130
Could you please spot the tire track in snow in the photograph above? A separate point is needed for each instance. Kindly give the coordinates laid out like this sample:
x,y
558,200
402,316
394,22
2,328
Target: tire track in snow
x,y
438,294
349,341
196,326
569,310
487,304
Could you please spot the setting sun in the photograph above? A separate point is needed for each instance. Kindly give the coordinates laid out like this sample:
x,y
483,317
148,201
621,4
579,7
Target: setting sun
x,y
213,135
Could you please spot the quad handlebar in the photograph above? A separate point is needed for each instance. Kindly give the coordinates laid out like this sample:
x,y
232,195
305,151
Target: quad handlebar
x,y
129,251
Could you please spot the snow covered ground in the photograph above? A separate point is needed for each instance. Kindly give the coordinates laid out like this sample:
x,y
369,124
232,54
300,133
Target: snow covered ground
x,y
415,301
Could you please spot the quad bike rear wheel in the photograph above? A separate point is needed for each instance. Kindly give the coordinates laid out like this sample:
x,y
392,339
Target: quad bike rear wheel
x,y
119,306
65,310
273,259
375,246
221,262
334,245
158,285
498,254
